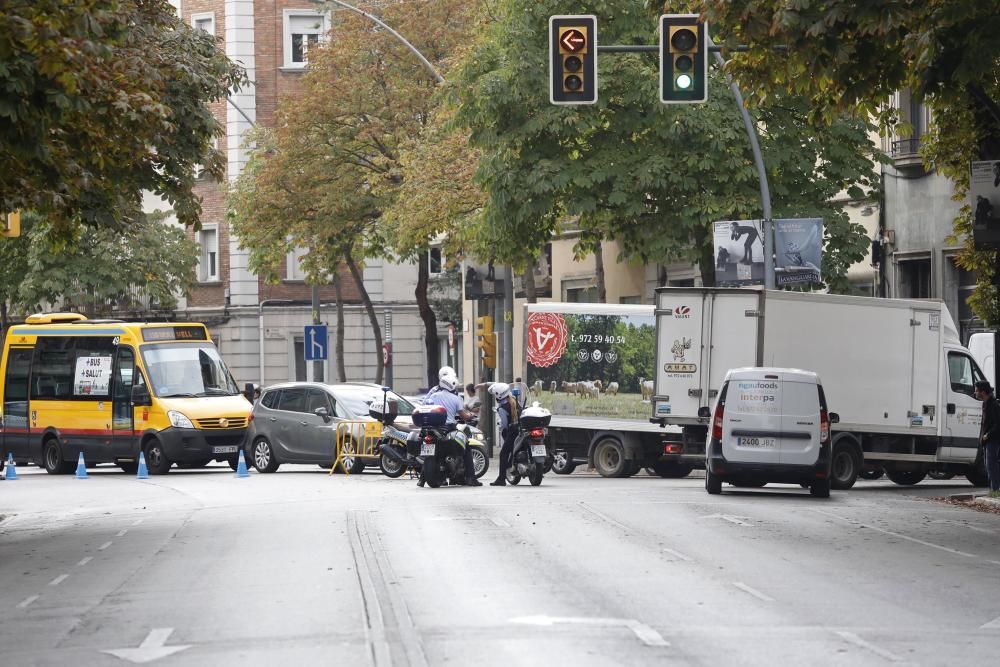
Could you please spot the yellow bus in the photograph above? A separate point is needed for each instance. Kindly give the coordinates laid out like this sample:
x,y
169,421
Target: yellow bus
x,y
111,389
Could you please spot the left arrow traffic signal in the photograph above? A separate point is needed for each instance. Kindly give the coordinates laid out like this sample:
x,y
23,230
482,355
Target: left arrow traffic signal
x,y
573,59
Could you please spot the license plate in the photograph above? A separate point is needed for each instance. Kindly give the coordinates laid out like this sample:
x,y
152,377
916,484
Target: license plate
x,y
760,443
538,450
228,449
427,450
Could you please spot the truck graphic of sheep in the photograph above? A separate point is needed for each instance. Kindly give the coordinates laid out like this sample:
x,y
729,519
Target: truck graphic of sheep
x,y
678,348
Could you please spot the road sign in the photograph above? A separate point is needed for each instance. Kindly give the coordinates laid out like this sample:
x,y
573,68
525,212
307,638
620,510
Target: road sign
x,y
316,346
451,336
386,354
573,59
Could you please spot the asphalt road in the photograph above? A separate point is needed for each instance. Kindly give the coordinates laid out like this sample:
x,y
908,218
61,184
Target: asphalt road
x,y
201,568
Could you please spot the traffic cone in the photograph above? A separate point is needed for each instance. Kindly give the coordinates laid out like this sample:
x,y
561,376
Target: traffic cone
x,y
81,468
11,468
143,472
241,467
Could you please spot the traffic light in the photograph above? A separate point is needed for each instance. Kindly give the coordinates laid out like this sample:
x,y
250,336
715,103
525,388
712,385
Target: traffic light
x,y
486,340
11,224
573,59
683,59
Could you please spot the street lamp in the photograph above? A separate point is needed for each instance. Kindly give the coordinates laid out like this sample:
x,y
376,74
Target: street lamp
x,y
260,324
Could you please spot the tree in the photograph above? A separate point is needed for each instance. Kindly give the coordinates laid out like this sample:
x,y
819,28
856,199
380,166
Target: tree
x,y
651,176
100,101
98,271
849,56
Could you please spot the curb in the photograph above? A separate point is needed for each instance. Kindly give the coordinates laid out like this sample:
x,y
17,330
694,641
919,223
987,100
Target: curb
x,y
981,499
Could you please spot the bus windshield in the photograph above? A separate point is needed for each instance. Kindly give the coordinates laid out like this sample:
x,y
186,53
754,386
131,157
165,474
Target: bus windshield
x,y
186,371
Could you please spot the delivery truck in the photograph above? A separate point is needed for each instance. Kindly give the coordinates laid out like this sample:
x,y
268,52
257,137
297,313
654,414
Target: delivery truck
x,y
894,370
592,365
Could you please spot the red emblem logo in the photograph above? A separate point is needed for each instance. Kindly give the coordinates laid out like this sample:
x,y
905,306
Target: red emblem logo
x,y
547,336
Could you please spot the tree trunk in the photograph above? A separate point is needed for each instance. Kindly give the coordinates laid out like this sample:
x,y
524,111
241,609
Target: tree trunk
x,y
530,291
341,370
602,292
370,309
431,344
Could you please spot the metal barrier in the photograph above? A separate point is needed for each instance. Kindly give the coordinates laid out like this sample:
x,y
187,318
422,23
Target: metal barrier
x,y
356,440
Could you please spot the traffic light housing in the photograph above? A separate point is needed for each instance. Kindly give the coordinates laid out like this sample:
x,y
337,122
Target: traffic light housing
x,y
683,59
11,224
573,59
486,341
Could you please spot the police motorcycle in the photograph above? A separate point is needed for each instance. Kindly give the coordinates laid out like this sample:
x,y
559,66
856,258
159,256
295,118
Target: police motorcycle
x,y
392,445
531,457
438,447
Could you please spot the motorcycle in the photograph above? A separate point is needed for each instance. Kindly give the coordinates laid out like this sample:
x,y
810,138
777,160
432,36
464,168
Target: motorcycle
x,y
531,457
438,447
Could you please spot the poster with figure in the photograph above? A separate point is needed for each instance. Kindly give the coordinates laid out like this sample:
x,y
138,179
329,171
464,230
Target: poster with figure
x,y
798,244
984,193
739,253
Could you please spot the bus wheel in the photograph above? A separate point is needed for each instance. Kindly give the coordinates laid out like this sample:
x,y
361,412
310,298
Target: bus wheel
x,y
156,460
53,457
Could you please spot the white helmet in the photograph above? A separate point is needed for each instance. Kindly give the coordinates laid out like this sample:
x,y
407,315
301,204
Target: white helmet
x,y
447,378
499,390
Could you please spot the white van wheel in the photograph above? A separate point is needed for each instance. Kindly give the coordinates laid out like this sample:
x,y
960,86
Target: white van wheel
x,y
712,482
844,467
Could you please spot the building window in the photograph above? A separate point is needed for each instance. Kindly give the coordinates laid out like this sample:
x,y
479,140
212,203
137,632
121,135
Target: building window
x,y
686,282
915,279
209,241
204,21
304,29
293,265
630,299
176,4
435,262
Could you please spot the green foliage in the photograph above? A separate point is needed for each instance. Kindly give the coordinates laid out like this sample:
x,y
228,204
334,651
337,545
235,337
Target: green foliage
x,y
651,176
100,101
96,270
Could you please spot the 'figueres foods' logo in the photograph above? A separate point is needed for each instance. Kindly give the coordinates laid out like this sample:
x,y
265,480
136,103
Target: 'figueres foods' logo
x,y
547,336
682,312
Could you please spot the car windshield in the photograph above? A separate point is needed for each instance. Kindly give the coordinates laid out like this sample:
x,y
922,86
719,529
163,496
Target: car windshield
x,y
184,371
357,400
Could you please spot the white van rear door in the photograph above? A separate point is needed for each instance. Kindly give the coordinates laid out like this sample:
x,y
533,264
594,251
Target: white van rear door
x,y
800,423
680,347
751,426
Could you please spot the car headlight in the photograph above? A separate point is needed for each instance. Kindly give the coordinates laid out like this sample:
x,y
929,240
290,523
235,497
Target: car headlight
x,y
179,419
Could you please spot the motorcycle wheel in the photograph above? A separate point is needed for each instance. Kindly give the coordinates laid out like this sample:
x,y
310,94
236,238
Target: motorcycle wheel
x,y
390,467
432,472
535,474
562,463
480,462
513,477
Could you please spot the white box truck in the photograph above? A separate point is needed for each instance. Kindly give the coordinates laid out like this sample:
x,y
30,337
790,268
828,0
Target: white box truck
x,y
592,366
894,371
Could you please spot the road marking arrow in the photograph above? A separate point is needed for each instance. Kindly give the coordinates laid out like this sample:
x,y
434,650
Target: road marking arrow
x,y
643,632
152,647
738,520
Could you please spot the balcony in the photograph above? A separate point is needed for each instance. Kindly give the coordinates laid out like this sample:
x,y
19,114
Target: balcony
x,y
906,156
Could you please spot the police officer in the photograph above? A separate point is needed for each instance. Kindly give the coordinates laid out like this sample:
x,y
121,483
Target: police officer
x,y
508,413
444,395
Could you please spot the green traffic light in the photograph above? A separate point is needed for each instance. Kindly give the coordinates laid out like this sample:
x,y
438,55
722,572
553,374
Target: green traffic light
x,y
683,81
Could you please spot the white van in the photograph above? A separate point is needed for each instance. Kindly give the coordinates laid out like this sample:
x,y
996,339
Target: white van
x,y
770,425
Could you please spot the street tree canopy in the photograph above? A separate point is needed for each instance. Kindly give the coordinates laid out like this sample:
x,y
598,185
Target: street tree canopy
x,y
100,101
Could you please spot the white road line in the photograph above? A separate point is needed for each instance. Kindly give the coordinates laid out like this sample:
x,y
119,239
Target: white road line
x,y
642,632
753,591
992,625
858,641
58,580
676,554
137,522
27,601
601,515
994,562
894,534
121,533
499,522
85,561
104,546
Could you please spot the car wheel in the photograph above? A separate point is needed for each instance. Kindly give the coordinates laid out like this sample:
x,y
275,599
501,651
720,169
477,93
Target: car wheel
x,y
480,462
562,463
53,457
390,467
844,467
906,477
820,488
713,484
609,458
263,457
352,464
156,460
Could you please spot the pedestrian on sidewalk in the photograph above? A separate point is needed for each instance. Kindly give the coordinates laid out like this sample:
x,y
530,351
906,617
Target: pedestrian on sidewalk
x,y
989,433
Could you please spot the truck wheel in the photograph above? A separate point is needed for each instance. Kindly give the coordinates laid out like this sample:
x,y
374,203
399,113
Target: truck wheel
x,y
672,469
844,467
562,463
633,468
874,473
905,477
609,458
712,483
820,488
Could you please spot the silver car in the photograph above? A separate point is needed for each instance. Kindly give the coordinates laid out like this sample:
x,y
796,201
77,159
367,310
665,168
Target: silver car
x,y
296,422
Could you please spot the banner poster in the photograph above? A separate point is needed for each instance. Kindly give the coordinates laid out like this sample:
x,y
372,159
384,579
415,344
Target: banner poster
x,y
798,244
739,253
984,192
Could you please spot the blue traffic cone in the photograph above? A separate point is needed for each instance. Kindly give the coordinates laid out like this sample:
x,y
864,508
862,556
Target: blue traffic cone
x,y
11,468
81,468
143,471
241,467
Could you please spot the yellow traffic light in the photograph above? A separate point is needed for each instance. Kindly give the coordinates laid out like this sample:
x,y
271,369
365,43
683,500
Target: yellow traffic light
x,y
486,341
12,224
